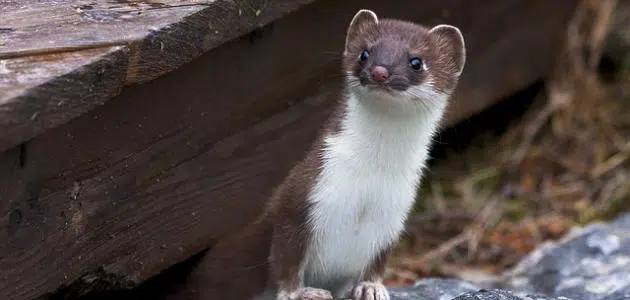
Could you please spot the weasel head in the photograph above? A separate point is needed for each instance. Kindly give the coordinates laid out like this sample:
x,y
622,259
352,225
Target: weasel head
x,y
402,61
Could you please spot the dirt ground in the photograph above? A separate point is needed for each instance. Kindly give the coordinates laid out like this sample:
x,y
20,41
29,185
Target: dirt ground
x,y
554,157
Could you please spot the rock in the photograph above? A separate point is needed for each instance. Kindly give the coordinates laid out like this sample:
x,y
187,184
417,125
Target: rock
x,y
498,294
444,289
591,263
433,289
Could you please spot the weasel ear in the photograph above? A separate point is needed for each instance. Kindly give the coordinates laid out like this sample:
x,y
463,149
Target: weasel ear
x,y
450,43
362,18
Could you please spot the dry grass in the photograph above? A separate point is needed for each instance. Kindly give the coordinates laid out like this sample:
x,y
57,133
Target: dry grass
x,y
567,162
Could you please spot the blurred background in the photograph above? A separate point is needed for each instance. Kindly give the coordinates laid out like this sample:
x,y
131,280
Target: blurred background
x,y
527,170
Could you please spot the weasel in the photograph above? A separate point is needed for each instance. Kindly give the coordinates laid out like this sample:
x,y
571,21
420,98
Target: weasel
x,y
329,227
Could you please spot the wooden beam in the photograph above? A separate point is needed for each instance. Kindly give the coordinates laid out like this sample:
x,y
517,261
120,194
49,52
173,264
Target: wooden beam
x,y
110,212
37,94
43,43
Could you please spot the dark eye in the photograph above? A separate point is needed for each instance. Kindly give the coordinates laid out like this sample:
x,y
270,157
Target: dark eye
x,y
415,63
364,55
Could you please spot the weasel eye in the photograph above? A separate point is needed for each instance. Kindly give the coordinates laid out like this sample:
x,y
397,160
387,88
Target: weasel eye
x,y
364,55
415,63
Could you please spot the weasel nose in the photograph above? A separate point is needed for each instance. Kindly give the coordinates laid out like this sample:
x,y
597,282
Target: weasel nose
x,y
379,74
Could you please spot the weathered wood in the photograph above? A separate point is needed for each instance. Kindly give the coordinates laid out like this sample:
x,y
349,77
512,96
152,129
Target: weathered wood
x,y
42,27
50,26
23,114
112,213
156,37
169,166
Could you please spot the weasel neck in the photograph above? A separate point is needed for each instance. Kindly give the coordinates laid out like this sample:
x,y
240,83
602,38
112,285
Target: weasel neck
x,y
393,132
371,167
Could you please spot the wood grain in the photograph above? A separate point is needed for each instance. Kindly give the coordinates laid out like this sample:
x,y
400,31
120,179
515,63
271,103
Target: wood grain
x,y
112,213
36,27
150,38
58,78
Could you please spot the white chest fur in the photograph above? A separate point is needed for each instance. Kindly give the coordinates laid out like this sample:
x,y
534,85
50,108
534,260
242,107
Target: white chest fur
x,y
366,188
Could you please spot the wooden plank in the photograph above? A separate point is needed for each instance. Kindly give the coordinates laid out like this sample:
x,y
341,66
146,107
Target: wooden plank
x,y
36,27
22,114
156,38
167,167
112,213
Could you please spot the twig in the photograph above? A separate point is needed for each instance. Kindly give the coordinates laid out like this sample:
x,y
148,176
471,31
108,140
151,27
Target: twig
x,y
440,251
433,216
472,235
604,10
531,130
485,218
566,190
611,163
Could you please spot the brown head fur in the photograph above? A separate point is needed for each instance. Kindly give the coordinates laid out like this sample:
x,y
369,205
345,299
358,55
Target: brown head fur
x,y
412,54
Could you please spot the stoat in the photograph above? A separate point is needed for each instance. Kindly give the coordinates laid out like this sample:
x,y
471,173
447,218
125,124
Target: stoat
x,y
329,227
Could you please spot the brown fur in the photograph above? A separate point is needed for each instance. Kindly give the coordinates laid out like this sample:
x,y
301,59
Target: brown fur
x,y
392,43
270,252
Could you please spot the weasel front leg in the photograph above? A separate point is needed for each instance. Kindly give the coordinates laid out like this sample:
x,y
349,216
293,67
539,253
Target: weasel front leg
x,y
370,286
288,251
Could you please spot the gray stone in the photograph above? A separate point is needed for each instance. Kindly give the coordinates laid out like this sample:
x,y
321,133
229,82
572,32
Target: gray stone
x,y
433,288
498,294
590,263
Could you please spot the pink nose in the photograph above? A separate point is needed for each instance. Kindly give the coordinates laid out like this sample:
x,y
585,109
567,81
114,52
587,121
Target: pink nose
x,y
379,74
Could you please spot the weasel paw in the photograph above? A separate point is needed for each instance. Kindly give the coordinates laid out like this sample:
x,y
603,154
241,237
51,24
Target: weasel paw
x,y
370,291
306,293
